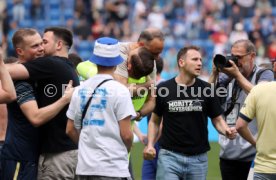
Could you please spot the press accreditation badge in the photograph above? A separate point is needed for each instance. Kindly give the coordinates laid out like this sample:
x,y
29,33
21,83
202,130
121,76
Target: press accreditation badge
x,y
232,117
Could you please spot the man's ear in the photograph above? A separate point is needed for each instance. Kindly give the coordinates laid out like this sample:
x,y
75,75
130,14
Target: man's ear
x,y
59,45
253,55
181,62
19,51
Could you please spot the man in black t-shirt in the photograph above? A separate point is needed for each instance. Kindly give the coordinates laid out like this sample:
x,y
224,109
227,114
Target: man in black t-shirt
x,y
51,74
21,148
185,105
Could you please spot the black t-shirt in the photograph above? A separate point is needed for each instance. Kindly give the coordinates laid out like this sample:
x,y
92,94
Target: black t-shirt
x,y
185,112
22,139
51,74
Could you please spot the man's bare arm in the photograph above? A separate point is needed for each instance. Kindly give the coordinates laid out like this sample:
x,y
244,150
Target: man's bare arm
x,y
7,90
72,132
242,128
149,105
223,128
17,71
39,116
153,129
126,132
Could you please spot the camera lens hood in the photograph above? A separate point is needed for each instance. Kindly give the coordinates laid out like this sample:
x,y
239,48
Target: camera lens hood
x,y
220,61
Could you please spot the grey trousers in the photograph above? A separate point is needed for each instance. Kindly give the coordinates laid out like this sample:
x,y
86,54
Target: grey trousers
x,y
56,166
102,178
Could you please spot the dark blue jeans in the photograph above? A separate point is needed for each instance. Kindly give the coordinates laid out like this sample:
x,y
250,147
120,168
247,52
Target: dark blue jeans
x,y
1,146
150,166
18,170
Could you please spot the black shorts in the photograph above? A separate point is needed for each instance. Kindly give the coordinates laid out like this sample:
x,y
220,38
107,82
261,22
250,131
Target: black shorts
x,y
1,146
24,170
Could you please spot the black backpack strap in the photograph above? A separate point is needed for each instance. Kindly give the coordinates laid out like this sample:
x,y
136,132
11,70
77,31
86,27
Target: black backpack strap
x,y
259,73
90,99
235,94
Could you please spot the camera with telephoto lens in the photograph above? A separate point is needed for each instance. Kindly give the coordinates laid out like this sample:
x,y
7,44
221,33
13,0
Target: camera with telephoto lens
x,y
221,61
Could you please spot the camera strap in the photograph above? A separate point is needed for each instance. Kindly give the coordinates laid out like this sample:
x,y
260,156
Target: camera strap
x,y
235,95
236,92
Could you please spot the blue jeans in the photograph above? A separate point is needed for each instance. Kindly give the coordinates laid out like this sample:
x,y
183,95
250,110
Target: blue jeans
x,y
150,166
177,166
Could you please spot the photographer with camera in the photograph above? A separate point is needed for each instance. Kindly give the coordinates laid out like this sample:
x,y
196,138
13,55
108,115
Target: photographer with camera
x,y
238,73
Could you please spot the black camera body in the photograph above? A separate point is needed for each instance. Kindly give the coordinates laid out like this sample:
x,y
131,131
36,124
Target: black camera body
x,y
221,61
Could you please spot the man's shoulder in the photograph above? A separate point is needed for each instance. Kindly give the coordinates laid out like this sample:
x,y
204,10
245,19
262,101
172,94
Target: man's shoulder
x,y
166,83
124,44
56,62
264,74
264,86
51,58
57,59
40,61
115,84
112,84
201,83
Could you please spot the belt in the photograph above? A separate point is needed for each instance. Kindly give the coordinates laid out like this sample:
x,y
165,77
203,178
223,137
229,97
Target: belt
x,y
184,154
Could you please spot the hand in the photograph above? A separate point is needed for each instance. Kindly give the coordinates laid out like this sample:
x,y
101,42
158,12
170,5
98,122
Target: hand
x,y
143,139
231,133
149,82
68,92
149,153
232,71
214,75
215,70
138,116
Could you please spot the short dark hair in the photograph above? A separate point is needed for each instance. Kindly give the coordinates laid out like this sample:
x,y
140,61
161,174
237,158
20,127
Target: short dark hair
x,y
159,65
62,33
142,63
148,35
18,37
183,51
75,59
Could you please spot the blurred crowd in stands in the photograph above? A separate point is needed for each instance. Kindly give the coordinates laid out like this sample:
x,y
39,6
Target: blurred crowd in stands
x,y
211,24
